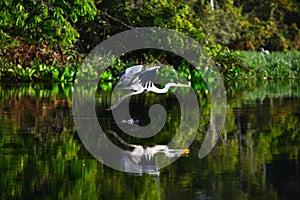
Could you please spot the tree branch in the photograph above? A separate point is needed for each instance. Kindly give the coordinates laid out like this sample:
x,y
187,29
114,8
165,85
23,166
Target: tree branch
x,y
117,20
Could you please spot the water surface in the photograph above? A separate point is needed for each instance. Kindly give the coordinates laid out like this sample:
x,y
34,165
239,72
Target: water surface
x,y
257,156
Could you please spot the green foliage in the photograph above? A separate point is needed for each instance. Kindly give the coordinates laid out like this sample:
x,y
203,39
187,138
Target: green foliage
x,y
35,35
277,65
39,72
229,63
43,21
252,24
168,14
129,14
37,39
223,25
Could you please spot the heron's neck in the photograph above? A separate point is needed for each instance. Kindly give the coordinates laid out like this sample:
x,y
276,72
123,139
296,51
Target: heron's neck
x,y
159,90
162,90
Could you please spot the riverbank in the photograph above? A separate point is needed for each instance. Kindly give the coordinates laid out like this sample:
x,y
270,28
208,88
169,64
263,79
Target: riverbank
x,y
252,65
276,65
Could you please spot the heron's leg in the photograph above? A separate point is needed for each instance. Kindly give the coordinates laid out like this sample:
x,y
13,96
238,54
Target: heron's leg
x,y
123,98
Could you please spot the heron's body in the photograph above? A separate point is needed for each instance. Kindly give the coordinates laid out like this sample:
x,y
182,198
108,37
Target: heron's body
x,y
265,51
141,80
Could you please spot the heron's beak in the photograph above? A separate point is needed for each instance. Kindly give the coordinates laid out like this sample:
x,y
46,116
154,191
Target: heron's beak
x,y
185,152
184,85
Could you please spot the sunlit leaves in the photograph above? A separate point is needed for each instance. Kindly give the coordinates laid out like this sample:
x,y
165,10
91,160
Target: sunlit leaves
x,y
46,20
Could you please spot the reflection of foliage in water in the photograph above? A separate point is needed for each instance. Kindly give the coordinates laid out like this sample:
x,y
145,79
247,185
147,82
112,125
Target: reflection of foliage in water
x,y
39,161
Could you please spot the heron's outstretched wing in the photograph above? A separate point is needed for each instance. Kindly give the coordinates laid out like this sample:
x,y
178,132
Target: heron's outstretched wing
x,y
127,76
130,71
147,76
136,79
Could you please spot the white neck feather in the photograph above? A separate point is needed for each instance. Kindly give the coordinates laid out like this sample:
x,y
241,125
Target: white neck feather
x,y
166,88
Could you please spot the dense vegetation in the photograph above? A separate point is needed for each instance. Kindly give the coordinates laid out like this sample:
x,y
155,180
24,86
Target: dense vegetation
x,y
277,65
47,40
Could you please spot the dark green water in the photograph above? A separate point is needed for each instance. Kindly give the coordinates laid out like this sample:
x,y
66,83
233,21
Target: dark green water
x,y
257,156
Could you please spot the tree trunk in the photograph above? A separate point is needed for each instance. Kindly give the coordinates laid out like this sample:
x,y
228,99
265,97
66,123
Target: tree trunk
x,y
212,4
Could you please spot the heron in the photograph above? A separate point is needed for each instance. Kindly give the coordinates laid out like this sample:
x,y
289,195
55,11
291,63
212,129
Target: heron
x,y
264,50
140,80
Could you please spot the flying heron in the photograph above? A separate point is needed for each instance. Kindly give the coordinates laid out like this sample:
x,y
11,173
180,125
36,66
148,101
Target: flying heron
x,y
139,80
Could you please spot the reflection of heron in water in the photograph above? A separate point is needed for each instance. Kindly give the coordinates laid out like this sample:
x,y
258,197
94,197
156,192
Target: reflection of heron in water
x,y
141,158
140,80
130,121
